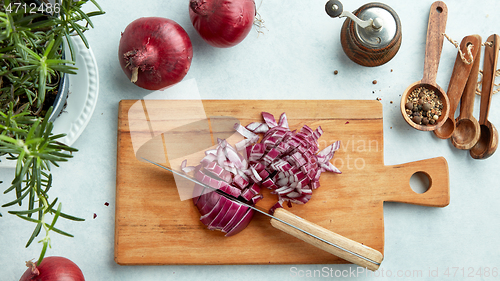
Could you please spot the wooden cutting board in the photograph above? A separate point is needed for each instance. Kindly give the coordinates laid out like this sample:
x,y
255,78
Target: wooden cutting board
x,y
154,227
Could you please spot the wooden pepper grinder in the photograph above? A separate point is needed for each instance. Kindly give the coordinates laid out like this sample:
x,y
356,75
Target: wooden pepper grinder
x,y
371,36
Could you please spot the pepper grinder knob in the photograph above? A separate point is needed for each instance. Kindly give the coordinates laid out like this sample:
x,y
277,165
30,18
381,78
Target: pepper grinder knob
x,y
334,8
371,36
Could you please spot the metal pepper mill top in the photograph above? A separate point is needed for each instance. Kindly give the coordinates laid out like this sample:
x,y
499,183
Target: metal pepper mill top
x,y
371,35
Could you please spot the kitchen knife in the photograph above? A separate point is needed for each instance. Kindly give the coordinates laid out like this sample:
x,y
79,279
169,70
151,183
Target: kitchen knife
x,y
309,232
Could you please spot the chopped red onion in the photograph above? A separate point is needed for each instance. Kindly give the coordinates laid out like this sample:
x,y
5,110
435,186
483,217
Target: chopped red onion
x,y
258,128
218,171
247,194
269,119
240,181
255,189
229,189
283,121
187,169
295,152
257,198
244,131
285,161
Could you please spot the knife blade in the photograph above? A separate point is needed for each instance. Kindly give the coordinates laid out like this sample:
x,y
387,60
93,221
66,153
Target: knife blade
x,y
309,232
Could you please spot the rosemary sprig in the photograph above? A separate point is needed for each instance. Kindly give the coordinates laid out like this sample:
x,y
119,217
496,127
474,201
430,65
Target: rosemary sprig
x,y
31,143
31,59
31,50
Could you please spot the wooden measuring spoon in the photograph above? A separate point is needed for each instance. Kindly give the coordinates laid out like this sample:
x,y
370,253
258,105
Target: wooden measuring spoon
x,y
467,128
456,87
434,44
488,140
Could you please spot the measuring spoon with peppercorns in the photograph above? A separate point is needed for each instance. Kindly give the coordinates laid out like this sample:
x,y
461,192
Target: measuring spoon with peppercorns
x,y
427,86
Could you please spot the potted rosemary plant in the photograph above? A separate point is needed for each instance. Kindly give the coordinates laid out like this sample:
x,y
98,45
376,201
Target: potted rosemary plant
x,y
32,69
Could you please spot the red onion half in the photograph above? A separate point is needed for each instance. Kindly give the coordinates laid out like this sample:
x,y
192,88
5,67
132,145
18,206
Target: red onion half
x,y
287,162
222,23
53,269
155,52
219,213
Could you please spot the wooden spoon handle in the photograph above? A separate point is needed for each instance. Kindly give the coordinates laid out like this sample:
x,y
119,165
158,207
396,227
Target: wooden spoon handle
x,y
436,27
467,102
489,68
461,71
323,233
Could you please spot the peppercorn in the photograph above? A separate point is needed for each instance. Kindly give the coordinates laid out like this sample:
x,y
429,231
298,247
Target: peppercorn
x,y
409,105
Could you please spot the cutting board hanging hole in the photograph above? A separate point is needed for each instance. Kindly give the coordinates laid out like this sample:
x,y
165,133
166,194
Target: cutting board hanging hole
x,y
420,182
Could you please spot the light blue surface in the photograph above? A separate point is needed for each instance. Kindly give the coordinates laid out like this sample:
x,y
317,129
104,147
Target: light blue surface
x,y
294,59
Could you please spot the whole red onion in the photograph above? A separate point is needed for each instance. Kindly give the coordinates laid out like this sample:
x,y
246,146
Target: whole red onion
x,y
53,269
222,23
155,52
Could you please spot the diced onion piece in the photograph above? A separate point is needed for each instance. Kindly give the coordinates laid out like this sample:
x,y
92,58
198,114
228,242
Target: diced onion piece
x,y
229,189
269,119
247,194
283,121
244,131
278,204
218,171
254,188
257,198
258,128
240,182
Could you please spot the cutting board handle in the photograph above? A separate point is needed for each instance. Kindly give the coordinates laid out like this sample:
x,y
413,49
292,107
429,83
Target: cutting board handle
x,y
398,188
346,247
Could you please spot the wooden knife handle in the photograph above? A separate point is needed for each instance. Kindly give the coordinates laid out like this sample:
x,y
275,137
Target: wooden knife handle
x,y
334,238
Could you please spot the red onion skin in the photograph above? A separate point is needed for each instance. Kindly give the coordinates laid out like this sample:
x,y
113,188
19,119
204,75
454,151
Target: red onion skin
x,y
160,50
53,269
222,23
